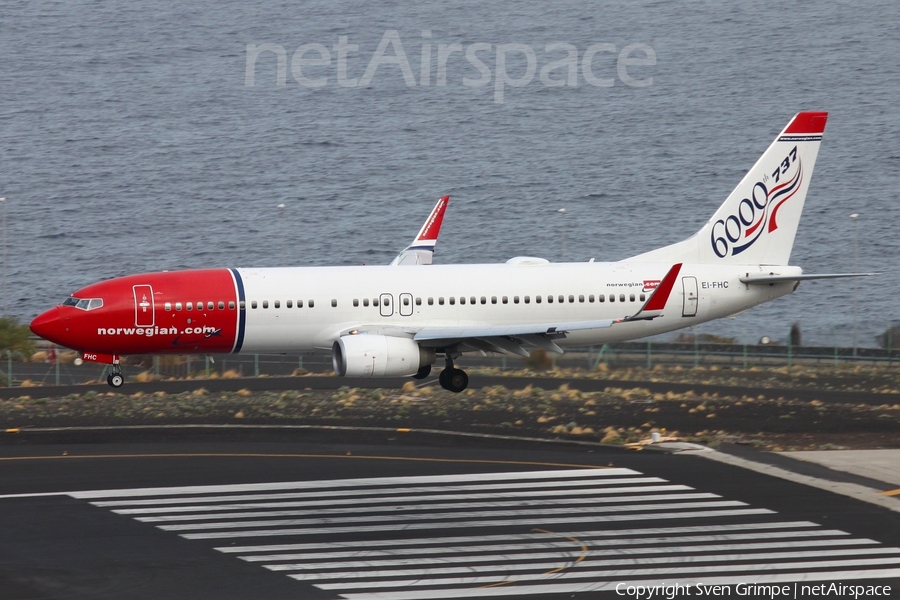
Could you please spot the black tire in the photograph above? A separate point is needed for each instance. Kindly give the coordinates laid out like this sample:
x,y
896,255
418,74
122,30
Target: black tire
x,y
442,378
424,371
457,381
115,380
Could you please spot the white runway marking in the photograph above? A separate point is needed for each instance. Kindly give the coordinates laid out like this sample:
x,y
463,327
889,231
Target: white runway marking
x,y
365,539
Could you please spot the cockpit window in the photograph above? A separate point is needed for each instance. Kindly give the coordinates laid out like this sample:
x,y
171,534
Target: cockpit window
x,y
84,303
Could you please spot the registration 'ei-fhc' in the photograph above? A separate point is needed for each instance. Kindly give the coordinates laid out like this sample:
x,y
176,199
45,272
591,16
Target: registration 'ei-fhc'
x,y
398,319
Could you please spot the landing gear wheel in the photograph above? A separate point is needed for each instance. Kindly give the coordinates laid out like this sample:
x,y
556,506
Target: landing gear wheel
x,y
454,380
115,380
442,378
424,371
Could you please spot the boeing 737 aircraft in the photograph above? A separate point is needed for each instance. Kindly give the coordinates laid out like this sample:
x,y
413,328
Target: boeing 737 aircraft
x,y
387,321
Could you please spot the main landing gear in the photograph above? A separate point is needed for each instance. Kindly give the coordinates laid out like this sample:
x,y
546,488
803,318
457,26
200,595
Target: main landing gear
x,y
453,379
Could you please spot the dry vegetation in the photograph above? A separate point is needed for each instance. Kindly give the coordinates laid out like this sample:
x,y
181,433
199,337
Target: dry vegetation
x,y
615,415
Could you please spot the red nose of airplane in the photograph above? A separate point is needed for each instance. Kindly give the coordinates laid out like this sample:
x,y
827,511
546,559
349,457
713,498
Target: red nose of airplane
x,y
47,325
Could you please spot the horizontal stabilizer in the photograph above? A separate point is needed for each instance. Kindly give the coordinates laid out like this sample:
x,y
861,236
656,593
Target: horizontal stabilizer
x,y
769,279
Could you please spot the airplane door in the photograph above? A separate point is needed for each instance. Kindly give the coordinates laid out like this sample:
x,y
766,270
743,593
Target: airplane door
x,y
387,305
144,313
690,296
406,305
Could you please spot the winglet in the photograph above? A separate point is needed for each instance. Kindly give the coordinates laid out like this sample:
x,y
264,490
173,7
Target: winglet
x,y
657,300
432,227
420,251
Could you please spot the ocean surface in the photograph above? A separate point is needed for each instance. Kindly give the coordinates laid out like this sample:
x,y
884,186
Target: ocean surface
x,y
131,140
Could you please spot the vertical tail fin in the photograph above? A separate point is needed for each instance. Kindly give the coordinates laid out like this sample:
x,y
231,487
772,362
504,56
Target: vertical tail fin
x,y
756,225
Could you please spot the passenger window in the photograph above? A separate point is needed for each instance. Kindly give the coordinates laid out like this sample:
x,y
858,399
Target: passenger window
x,y
601,298
356,302
178,306
333,303
168,306
549,299
418,301
571,298
462,299
505,300
243,305
561,298
430,301
493,299
311,304
405,301
374,301
441,300
471,299
527,299
452,300
253,304
288,303
200,306
631,297
515,299
277,304
265,304
222,305
581,298
231,305
386,301
299,303
642,298
365,301
612,297
621,297
483,300
190,306
591,298
210,306
537,299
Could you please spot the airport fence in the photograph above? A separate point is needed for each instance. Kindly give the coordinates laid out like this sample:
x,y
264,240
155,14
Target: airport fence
x,y
646,354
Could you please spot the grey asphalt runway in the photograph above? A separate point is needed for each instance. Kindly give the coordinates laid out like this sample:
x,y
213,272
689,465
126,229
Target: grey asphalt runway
x,y
337,515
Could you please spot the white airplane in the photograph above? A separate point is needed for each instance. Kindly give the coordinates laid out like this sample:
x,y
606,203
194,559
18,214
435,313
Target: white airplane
x,y
388,321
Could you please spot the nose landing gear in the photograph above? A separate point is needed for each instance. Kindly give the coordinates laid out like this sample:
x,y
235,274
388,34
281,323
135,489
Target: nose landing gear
x,y
453,379
115,379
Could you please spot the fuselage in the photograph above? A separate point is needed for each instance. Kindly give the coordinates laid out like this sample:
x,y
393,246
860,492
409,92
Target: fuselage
x,y
304,309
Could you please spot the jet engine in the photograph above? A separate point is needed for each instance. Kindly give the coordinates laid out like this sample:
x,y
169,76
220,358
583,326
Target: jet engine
x,y
368,355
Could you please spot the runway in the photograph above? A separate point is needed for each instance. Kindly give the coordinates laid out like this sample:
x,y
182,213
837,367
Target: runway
x,y
301,520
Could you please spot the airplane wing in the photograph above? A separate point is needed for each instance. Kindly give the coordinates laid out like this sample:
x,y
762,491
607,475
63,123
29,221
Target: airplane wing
x,y
512,339
420,251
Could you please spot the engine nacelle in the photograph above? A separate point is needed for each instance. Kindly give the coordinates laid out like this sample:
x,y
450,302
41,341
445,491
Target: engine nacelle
x,y
367,355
